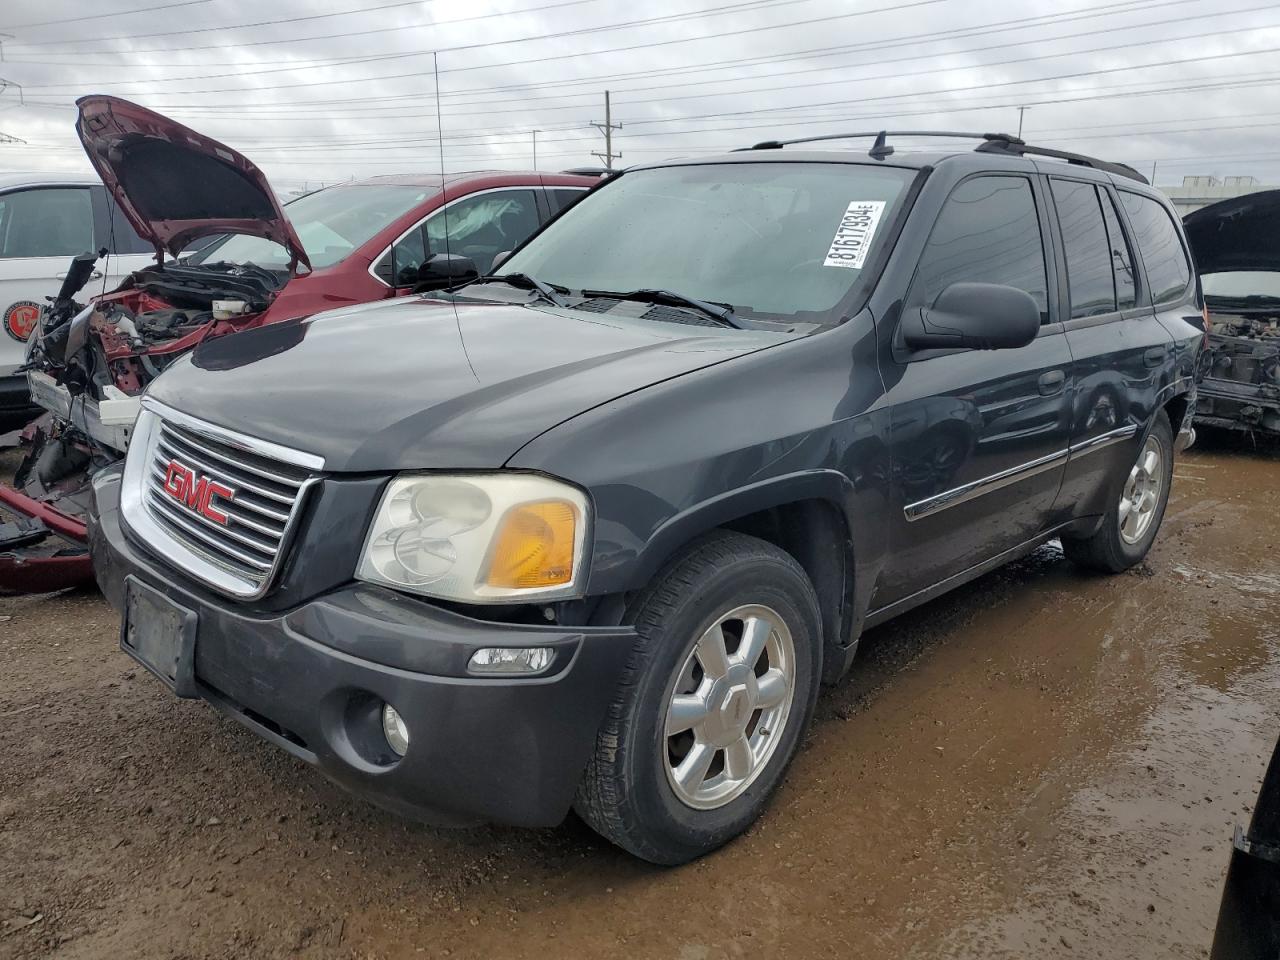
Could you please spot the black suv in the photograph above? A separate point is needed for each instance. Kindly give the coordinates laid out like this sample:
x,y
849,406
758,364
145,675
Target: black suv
x,y
589,534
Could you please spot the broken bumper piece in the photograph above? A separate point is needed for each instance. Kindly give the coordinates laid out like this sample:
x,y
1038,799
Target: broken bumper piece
x,y
41,549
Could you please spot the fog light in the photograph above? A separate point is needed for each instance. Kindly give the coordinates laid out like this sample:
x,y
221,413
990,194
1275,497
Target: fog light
x,y
395,730
511,659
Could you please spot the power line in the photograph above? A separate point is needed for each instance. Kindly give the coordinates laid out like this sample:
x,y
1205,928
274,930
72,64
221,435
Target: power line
x,y
1199,35
99,16
889,44
736,63
522,109
220,29
490,138
670,18
942,91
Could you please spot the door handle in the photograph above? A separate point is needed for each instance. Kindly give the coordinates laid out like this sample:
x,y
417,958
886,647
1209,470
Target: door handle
x,y
96,275
1153,357
1051,382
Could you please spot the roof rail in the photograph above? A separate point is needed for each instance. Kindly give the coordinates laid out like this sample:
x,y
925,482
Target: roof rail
x,y
588,171
1021,149
1003,143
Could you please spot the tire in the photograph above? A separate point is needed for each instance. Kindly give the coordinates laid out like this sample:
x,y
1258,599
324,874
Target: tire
x,y
631,793
1113,547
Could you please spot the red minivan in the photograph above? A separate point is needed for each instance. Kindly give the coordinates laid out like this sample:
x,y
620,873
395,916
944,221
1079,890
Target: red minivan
x,y
229,256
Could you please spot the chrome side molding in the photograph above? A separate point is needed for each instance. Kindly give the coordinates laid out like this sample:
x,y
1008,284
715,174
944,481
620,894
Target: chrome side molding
x,y
979,488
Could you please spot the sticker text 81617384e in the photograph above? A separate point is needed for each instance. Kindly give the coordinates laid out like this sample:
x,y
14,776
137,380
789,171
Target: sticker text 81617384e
x,y
854,235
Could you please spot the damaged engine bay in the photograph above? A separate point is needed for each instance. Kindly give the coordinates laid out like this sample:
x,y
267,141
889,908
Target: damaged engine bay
x,y
87,364
1241,367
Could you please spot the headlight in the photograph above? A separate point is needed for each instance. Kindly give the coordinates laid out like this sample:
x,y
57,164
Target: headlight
x,y
488,538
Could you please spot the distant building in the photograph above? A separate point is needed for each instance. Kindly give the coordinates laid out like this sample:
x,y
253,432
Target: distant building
x,y
1200,191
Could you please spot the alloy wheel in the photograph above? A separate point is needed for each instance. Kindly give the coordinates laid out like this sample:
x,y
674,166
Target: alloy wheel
x,y
728,707
1141,493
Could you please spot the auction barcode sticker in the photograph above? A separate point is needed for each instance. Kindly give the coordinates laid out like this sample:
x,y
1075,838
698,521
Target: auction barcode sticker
x,y
853,237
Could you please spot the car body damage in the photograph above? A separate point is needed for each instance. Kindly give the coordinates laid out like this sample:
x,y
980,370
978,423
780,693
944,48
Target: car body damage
x,y
91,357
1238,255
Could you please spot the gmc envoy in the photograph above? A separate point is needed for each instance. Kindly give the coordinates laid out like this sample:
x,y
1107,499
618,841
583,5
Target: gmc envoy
x,y
589,533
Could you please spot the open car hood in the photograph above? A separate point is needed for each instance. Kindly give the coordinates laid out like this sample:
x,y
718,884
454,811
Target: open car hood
x,y
1242,233
176,185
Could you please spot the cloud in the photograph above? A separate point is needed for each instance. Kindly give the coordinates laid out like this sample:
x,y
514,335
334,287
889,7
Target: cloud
x,y
312,97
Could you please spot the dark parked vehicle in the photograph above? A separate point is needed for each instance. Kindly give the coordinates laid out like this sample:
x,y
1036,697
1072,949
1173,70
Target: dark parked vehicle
x,y
1236,244
173,188
590,533
1249,914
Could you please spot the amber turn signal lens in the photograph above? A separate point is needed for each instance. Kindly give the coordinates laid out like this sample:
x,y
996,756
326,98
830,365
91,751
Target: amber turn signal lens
x,y
534,546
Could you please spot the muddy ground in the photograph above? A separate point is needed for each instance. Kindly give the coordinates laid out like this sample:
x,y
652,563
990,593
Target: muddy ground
x,y
1043,764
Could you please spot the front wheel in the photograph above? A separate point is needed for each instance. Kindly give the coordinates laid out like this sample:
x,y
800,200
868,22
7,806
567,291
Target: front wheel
x,y
712,705
1130,526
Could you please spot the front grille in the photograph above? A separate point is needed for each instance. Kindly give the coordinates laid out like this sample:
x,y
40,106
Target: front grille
x,y
265,496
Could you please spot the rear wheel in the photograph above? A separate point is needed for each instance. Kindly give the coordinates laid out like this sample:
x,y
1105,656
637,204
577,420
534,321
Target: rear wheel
x,y
713,703
1138,506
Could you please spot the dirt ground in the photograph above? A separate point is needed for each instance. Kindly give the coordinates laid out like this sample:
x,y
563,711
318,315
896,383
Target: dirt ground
x,y
1042,764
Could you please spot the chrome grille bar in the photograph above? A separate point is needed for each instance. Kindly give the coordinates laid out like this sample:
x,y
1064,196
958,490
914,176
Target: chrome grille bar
x,y
215,503
176,451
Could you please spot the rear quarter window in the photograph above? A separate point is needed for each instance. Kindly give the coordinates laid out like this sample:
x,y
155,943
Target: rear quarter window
x,y
1159,246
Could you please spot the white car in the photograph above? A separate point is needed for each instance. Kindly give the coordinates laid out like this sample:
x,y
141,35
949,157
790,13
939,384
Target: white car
x,y
45,221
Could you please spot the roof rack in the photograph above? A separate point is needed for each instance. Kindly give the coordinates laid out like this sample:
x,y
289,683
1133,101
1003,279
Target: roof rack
x,y
588,171
1003,143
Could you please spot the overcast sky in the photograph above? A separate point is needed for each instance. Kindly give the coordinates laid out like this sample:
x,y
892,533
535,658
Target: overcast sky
x,y
326,91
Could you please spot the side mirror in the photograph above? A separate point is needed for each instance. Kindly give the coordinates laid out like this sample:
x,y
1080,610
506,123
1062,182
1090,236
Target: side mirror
x,y
442,270
499,259
977,316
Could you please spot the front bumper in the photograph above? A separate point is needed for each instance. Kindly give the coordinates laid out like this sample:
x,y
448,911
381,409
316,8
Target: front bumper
x,y
312,680
1231,404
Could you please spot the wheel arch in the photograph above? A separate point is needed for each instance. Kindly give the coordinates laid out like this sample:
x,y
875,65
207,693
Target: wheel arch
x,y
805,515
1176,408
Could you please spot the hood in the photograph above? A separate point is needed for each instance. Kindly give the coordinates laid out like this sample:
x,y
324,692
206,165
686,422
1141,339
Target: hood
x,y
1242,233
406,384
175,185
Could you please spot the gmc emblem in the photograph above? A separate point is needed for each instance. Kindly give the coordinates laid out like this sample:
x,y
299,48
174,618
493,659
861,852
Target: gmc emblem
x,y
196,493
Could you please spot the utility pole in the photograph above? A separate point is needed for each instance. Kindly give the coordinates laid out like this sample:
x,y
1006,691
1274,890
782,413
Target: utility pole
x,y
1021,111
535,148
1153,171
607,129
6,84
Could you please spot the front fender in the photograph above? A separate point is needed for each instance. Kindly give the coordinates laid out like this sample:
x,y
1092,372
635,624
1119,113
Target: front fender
x,y
830,486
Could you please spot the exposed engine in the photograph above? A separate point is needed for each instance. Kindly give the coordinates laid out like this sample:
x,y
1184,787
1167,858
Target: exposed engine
x,y
88,362
1242,370
125,339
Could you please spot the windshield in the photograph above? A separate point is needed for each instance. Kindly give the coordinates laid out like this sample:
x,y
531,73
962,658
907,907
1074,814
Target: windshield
x,y
330,223
773,239
1242,283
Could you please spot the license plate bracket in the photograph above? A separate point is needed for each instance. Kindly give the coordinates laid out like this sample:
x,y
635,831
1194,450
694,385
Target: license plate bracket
x,y
160,635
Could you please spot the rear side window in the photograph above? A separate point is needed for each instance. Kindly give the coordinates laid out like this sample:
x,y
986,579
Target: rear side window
x,y
48,222
561,198
1168,271
1121,258
987,232
482,226
1084,239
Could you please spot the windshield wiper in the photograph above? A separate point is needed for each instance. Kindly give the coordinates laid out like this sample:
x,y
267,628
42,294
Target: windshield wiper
x,y
720,312
548,292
